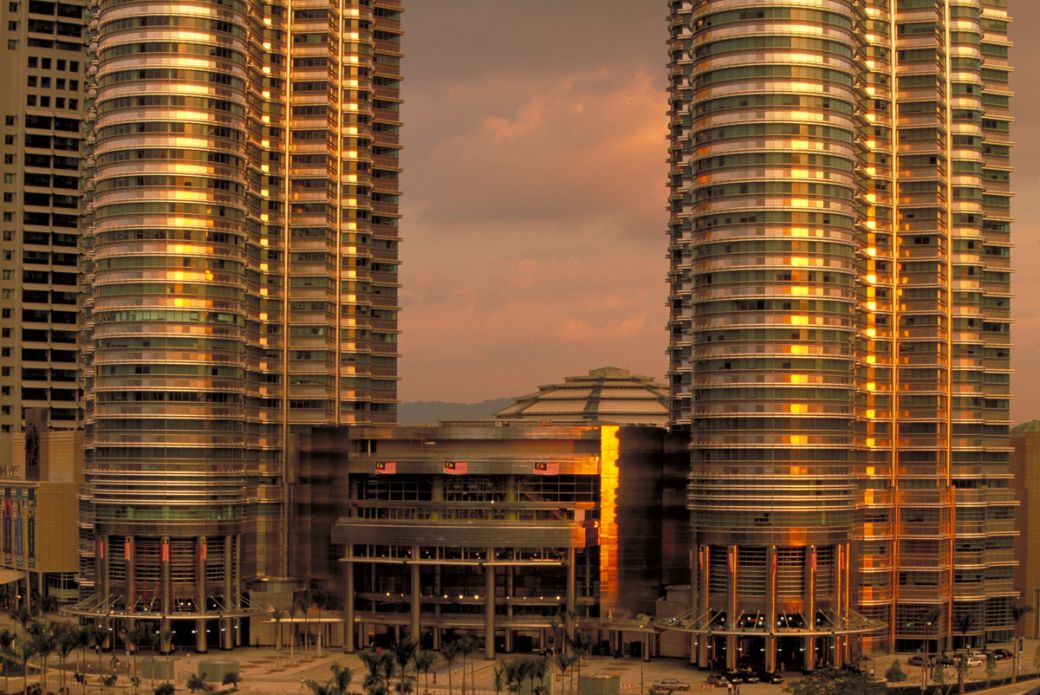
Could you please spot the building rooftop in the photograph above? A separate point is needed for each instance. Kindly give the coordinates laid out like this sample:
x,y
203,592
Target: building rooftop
x,y
609,395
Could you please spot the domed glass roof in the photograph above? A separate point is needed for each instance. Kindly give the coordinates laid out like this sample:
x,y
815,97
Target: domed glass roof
x,y
607,395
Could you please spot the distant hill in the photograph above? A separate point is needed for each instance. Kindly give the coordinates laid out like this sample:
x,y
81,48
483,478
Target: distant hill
x,y
432,412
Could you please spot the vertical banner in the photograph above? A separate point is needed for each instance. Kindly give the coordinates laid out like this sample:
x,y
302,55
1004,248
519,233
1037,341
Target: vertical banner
x,y
7,525
30,532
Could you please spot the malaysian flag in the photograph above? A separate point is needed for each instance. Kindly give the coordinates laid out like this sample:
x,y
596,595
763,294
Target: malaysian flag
x,y
551,468
386,468
456,467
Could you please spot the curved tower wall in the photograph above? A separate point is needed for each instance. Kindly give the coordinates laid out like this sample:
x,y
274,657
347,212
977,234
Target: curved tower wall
x,y
839,320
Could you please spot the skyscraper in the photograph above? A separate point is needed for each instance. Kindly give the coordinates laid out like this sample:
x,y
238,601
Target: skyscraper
x,y
41,103
241,256
839,243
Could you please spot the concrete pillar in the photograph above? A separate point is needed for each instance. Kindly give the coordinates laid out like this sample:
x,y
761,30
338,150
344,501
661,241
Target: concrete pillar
x,y
130,555
349,644
437,591
703,639
201,643
489,605
416,598
731,607
771,614
228,625
509,607
166,598
572,601
809,663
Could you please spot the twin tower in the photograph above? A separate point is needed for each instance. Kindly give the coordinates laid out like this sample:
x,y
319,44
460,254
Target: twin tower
x,y
839,304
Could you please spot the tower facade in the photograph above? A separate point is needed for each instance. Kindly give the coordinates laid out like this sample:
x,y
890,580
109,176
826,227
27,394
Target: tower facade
x,y
839,323
241,257
41,47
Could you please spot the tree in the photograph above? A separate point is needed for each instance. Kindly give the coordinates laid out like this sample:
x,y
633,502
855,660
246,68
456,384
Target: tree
x,y
340,679
197,683
380,667
277,616
231,681
404,653
564,662
895,673
450,652
831,681
48,604
991,665
467,646
66,641
1017,611
25,650
337,684
97,637
962,624
22,616
7,639
580,644
424,661
43,641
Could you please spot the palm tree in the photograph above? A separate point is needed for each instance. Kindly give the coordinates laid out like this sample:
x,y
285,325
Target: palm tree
x,y
277,616
24,650
500,679
299,605
404,653
6,640
380,667
97,636
66,641
231,680
962,623
197,682
450,652
469,645
424,660
1017,611
48,604
22,616
579,645
564,663
340,679
44,644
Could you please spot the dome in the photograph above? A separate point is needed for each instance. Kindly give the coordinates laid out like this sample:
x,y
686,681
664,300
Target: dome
x,y
608,395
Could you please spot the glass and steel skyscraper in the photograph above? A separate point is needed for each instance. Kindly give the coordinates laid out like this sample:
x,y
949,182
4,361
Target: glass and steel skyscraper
x,y
241,256
839,243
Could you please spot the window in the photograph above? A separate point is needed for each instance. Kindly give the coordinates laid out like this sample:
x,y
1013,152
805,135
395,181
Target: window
x,y
12,44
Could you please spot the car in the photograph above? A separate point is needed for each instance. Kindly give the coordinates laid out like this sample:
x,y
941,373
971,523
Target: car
x,y
733,676
669,684
767,677
919,660
748,674
717,680
1001,654
944,660
972,661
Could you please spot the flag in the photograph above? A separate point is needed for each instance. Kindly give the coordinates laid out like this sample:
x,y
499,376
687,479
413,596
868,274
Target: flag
x,y
542,468
456,467
386,468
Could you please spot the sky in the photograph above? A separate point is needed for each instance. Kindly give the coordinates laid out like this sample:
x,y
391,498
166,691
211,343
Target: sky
x,y
535,189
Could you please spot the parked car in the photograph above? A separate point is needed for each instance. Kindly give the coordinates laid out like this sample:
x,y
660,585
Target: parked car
x,y
669,684
945,660
733,676
767,677
748,674
919,660
717,680
1001,654
972,661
